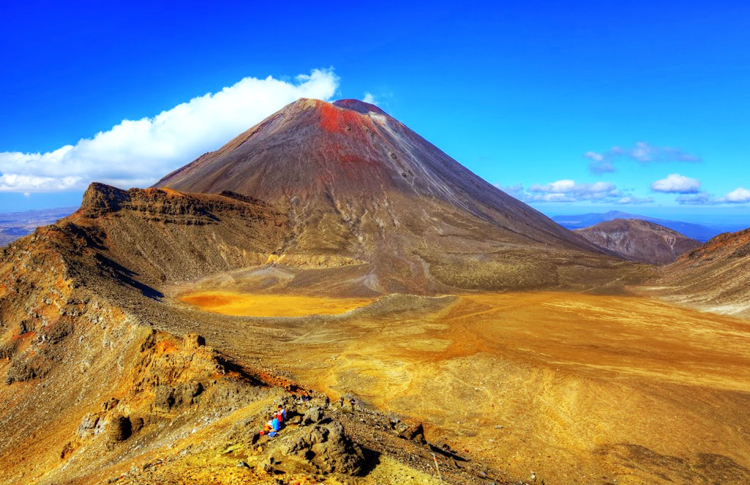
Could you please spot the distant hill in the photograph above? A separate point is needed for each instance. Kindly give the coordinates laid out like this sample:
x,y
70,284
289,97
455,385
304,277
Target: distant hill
x,y
698,232
639,240
14,225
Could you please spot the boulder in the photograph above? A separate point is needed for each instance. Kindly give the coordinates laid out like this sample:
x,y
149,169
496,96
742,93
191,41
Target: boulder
x,y
313,415
193,341
328,448
120,428
88,425
414,432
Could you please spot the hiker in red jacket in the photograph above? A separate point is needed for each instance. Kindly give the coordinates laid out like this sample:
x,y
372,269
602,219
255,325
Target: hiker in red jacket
x,y
281,414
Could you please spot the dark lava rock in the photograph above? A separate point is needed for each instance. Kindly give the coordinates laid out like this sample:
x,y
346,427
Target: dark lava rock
x,y
26,326
164,397
313,415
184,393
21,371
120,428
168,397
111,404
8,350
414,432
328,448
137,424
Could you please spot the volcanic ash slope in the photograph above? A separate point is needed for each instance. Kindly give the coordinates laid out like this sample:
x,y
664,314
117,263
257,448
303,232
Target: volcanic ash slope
x,y
357,183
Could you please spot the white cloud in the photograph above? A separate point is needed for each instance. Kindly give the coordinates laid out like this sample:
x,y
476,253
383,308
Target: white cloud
x,y
369,98
701,198
566,191
632,200
513,190
642,153
139,152
737,196
597,157
570,191
677,184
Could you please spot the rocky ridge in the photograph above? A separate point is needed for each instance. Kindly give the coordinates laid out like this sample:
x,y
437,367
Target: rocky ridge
x,y
94,392
713,277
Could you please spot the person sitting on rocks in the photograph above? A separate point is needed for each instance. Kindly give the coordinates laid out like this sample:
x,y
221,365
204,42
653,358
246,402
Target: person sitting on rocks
x,y
272,427
281,414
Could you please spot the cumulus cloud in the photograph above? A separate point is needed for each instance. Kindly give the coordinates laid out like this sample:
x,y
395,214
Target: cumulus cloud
x,y
701,198
677,184
739,195
139,152
566,191
369,98
642,152
570,191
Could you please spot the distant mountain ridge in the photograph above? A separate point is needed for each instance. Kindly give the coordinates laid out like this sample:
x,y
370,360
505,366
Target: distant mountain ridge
x,y
702,233
639,240
14,225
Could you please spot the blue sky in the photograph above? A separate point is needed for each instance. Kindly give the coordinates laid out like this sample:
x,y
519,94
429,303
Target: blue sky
x,y
585,107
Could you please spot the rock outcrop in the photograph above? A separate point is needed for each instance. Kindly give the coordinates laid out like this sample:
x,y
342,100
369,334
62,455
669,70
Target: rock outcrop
x,y
328,448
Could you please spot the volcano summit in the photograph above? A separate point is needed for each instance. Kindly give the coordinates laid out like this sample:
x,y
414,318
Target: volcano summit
x,y
357,183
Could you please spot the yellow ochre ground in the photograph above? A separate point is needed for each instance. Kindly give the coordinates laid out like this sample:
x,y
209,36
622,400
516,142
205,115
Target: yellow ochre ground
x,y
577,388
230,303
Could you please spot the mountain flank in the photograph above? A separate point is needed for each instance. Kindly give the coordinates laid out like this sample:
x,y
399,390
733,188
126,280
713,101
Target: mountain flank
x,y
639,240
357,183
713,277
